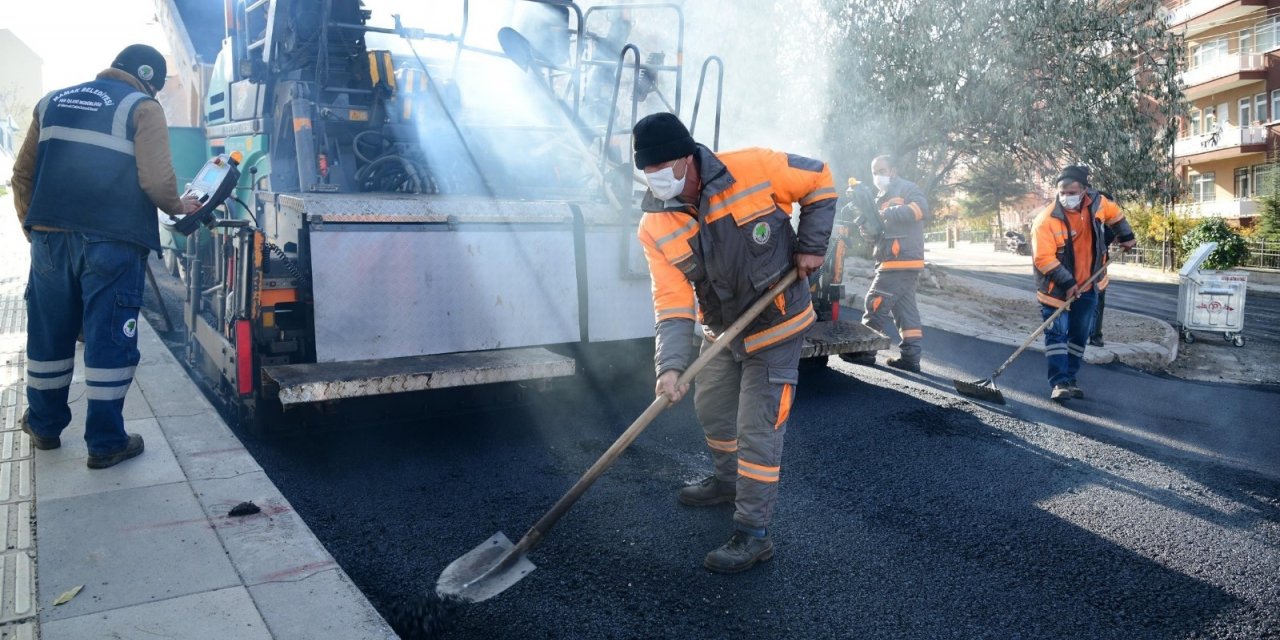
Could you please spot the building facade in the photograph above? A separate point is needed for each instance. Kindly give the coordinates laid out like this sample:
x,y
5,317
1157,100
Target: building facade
x,y
1232,85
21,76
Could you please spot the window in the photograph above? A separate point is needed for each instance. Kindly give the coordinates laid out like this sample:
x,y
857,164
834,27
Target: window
x,y
1193,123
1202,187
1260,107
1242,183
1275,103
1246,111
1267,34
1209,51
1261,178
1246,41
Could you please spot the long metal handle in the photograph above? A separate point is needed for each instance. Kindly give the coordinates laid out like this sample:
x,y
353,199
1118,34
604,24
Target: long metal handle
x,y
1045,325
659,404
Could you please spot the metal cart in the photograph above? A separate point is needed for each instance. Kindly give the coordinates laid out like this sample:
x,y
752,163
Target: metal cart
x,y
1210,300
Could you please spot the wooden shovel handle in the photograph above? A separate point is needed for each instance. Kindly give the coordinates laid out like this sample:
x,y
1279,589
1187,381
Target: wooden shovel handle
x,y
659,404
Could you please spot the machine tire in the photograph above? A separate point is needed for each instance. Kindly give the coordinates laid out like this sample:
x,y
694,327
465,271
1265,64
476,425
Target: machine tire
x,y
1238,341
171,262
1188,337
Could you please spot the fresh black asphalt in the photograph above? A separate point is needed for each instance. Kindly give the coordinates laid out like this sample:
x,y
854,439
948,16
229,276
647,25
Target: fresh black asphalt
x,y
1149,510
905,512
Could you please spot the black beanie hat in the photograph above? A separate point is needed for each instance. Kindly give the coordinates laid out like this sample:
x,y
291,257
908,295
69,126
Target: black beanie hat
x,y
661,137
1075,173
143,63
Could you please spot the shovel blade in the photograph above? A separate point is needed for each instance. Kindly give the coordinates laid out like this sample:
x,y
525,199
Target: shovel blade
x,y
484,572
980,389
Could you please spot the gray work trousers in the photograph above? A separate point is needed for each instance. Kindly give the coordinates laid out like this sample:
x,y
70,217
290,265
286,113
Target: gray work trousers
x,y
893,295
743,407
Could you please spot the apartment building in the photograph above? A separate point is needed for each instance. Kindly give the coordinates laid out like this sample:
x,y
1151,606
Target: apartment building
x,y
1232,85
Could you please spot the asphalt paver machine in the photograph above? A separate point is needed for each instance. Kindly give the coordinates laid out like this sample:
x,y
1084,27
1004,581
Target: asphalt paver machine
x,y
424,207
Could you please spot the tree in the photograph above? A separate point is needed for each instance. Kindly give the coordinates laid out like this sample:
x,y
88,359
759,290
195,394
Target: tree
x,y
992,183
1042,83
1232,249
1269,203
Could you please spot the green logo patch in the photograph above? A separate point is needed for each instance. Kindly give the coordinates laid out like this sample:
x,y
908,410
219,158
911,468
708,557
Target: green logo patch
x,y
761,232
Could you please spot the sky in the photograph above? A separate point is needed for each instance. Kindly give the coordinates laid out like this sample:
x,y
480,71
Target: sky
x,y
79,38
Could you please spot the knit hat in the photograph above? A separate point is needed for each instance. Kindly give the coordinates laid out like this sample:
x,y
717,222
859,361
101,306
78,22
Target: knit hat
x,y
143,63
1074,173
661,137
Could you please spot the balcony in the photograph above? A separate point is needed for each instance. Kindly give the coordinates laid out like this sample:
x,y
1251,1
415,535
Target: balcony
x,y
1238,208
1194,16
1230,142
1223,74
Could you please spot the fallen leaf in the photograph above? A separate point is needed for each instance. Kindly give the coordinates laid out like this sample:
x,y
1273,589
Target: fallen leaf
x,y
68,595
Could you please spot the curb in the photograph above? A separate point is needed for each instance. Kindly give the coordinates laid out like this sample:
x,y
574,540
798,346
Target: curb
x,y
936,314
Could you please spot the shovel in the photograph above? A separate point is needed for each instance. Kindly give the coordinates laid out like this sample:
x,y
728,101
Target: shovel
x,y
496,564
986,389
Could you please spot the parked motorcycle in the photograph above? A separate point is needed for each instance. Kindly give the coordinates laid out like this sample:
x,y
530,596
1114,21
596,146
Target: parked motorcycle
x,y
1016,243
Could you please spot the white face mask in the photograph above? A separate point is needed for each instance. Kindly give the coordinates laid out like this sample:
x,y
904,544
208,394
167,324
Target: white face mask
x,y
1070,203
882,182
664,184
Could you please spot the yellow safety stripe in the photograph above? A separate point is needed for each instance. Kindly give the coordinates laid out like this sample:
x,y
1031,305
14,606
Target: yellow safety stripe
x,y
912,333
824,193
902,264
758,472
778,333
677,312
727,446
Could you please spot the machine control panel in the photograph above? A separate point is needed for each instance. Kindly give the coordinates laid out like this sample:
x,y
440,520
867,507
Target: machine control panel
x,y
211,187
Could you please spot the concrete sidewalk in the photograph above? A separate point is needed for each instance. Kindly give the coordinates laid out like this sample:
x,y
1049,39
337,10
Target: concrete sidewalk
x,y
983,255
150,539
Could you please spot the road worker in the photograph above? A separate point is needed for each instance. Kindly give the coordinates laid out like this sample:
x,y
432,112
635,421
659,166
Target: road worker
x,y
897,239
93,169
1068,245
717,234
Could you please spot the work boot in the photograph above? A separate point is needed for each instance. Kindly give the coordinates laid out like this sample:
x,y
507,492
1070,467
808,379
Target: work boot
x,y
864,358
1061,391
131,450
906,364
42,443
740,553
1076,392
1096,341
709,491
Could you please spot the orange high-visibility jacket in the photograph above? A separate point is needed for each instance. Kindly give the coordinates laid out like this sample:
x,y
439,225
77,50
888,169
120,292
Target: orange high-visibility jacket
x,y
904,211
1053,246
713,260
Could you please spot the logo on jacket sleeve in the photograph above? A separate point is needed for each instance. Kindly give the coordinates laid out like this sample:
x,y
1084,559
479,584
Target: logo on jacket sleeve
x,y
761,232
130,328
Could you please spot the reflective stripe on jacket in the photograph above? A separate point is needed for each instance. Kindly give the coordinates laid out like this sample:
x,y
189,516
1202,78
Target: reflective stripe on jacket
x,y
1053,251
712,261
84,175
904,210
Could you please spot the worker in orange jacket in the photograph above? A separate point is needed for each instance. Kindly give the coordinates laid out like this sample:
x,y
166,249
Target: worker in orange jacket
x,y
717,234
1069,245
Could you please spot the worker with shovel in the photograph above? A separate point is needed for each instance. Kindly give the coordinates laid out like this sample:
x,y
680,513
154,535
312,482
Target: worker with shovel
x,y
1069,251
717,234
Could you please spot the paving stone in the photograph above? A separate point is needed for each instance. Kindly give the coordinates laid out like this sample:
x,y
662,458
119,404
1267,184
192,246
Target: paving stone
x,y
215,615
272,545
63,472
206,448
346,612
127,547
